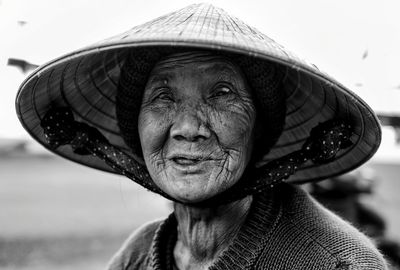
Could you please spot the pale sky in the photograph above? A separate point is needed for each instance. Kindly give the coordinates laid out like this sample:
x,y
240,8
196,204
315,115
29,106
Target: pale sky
x,y
334,35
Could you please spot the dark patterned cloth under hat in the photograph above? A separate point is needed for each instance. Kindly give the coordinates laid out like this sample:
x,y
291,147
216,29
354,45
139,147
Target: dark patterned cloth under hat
x,y
86,82
325,141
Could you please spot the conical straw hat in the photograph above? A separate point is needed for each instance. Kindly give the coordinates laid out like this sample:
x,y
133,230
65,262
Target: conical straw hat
x,y
86,81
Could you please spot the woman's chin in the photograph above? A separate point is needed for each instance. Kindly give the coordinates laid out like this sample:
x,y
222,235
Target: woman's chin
x,y
192,197
194,184
192,188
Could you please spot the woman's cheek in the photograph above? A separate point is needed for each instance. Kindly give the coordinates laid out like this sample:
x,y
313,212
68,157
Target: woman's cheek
x,y
153,130
233,129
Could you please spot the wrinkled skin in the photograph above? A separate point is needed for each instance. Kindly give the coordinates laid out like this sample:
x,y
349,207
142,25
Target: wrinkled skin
x,y
196,125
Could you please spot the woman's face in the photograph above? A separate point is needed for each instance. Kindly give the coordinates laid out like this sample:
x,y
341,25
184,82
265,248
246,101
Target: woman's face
x,y
196,125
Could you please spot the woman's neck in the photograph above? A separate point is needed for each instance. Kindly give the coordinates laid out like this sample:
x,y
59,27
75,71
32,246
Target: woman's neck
x,y
204,233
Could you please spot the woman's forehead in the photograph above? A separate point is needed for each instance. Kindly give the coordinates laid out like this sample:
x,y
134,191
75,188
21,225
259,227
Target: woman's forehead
x,y
201,61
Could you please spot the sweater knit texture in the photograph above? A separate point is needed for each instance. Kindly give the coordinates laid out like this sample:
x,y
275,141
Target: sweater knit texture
x,y
285,230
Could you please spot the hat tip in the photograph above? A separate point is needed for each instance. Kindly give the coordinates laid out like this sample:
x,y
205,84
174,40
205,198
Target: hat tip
x,y
204,4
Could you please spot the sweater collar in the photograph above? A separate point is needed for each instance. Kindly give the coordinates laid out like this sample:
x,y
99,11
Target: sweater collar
x,y
241,253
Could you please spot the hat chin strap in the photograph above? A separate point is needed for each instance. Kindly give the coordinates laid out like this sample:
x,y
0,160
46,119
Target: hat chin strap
x,y
325,141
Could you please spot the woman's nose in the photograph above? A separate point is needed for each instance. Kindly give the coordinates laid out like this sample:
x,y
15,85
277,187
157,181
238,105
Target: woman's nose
x,y
190,127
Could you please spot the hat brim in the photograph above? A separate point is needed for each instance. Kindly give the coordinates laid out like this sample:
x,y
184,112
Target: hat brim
x,y
86,81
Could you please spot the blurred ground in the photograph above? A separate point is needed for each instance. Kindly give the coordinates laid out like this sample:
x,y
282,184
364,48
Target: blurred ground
x,y
57,214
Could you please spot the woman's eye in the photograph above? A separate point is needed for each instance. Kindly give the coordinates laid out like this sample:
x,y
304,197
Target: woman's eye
x,y
164,95
222,91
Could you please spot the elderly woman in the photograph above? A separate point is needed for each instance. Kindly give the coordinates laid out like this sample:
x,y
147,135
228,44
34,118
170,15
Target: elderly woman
x,y
213,115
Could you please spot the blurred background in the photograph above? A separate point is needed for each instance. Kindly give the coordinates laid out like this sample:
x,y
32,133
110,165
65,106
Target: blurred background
x,y
54,213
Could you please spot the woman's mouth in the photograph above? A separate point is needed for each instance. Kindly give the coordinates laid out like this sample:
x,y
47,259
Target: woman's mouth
x,y
185,161
189,163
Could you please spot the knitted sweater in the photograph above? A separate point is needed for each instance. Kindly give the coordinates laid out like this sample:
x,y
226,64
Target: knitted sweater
x,y
285,229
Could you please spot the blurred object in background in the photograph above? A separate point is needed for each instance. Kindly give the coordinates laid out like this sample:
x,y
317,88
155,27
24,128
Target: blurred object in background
x,y
393,121
12,146
391,249
21,64
342,195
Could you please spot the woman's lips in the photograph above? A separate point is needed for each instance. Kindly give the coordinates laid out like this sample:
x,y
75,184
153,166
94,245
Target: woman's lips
x,y
185,161
189,164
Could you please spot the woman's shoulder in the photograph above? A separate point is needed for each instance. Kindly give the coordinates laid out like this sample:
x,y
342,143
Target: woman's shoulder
x,y
135,249
326,235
